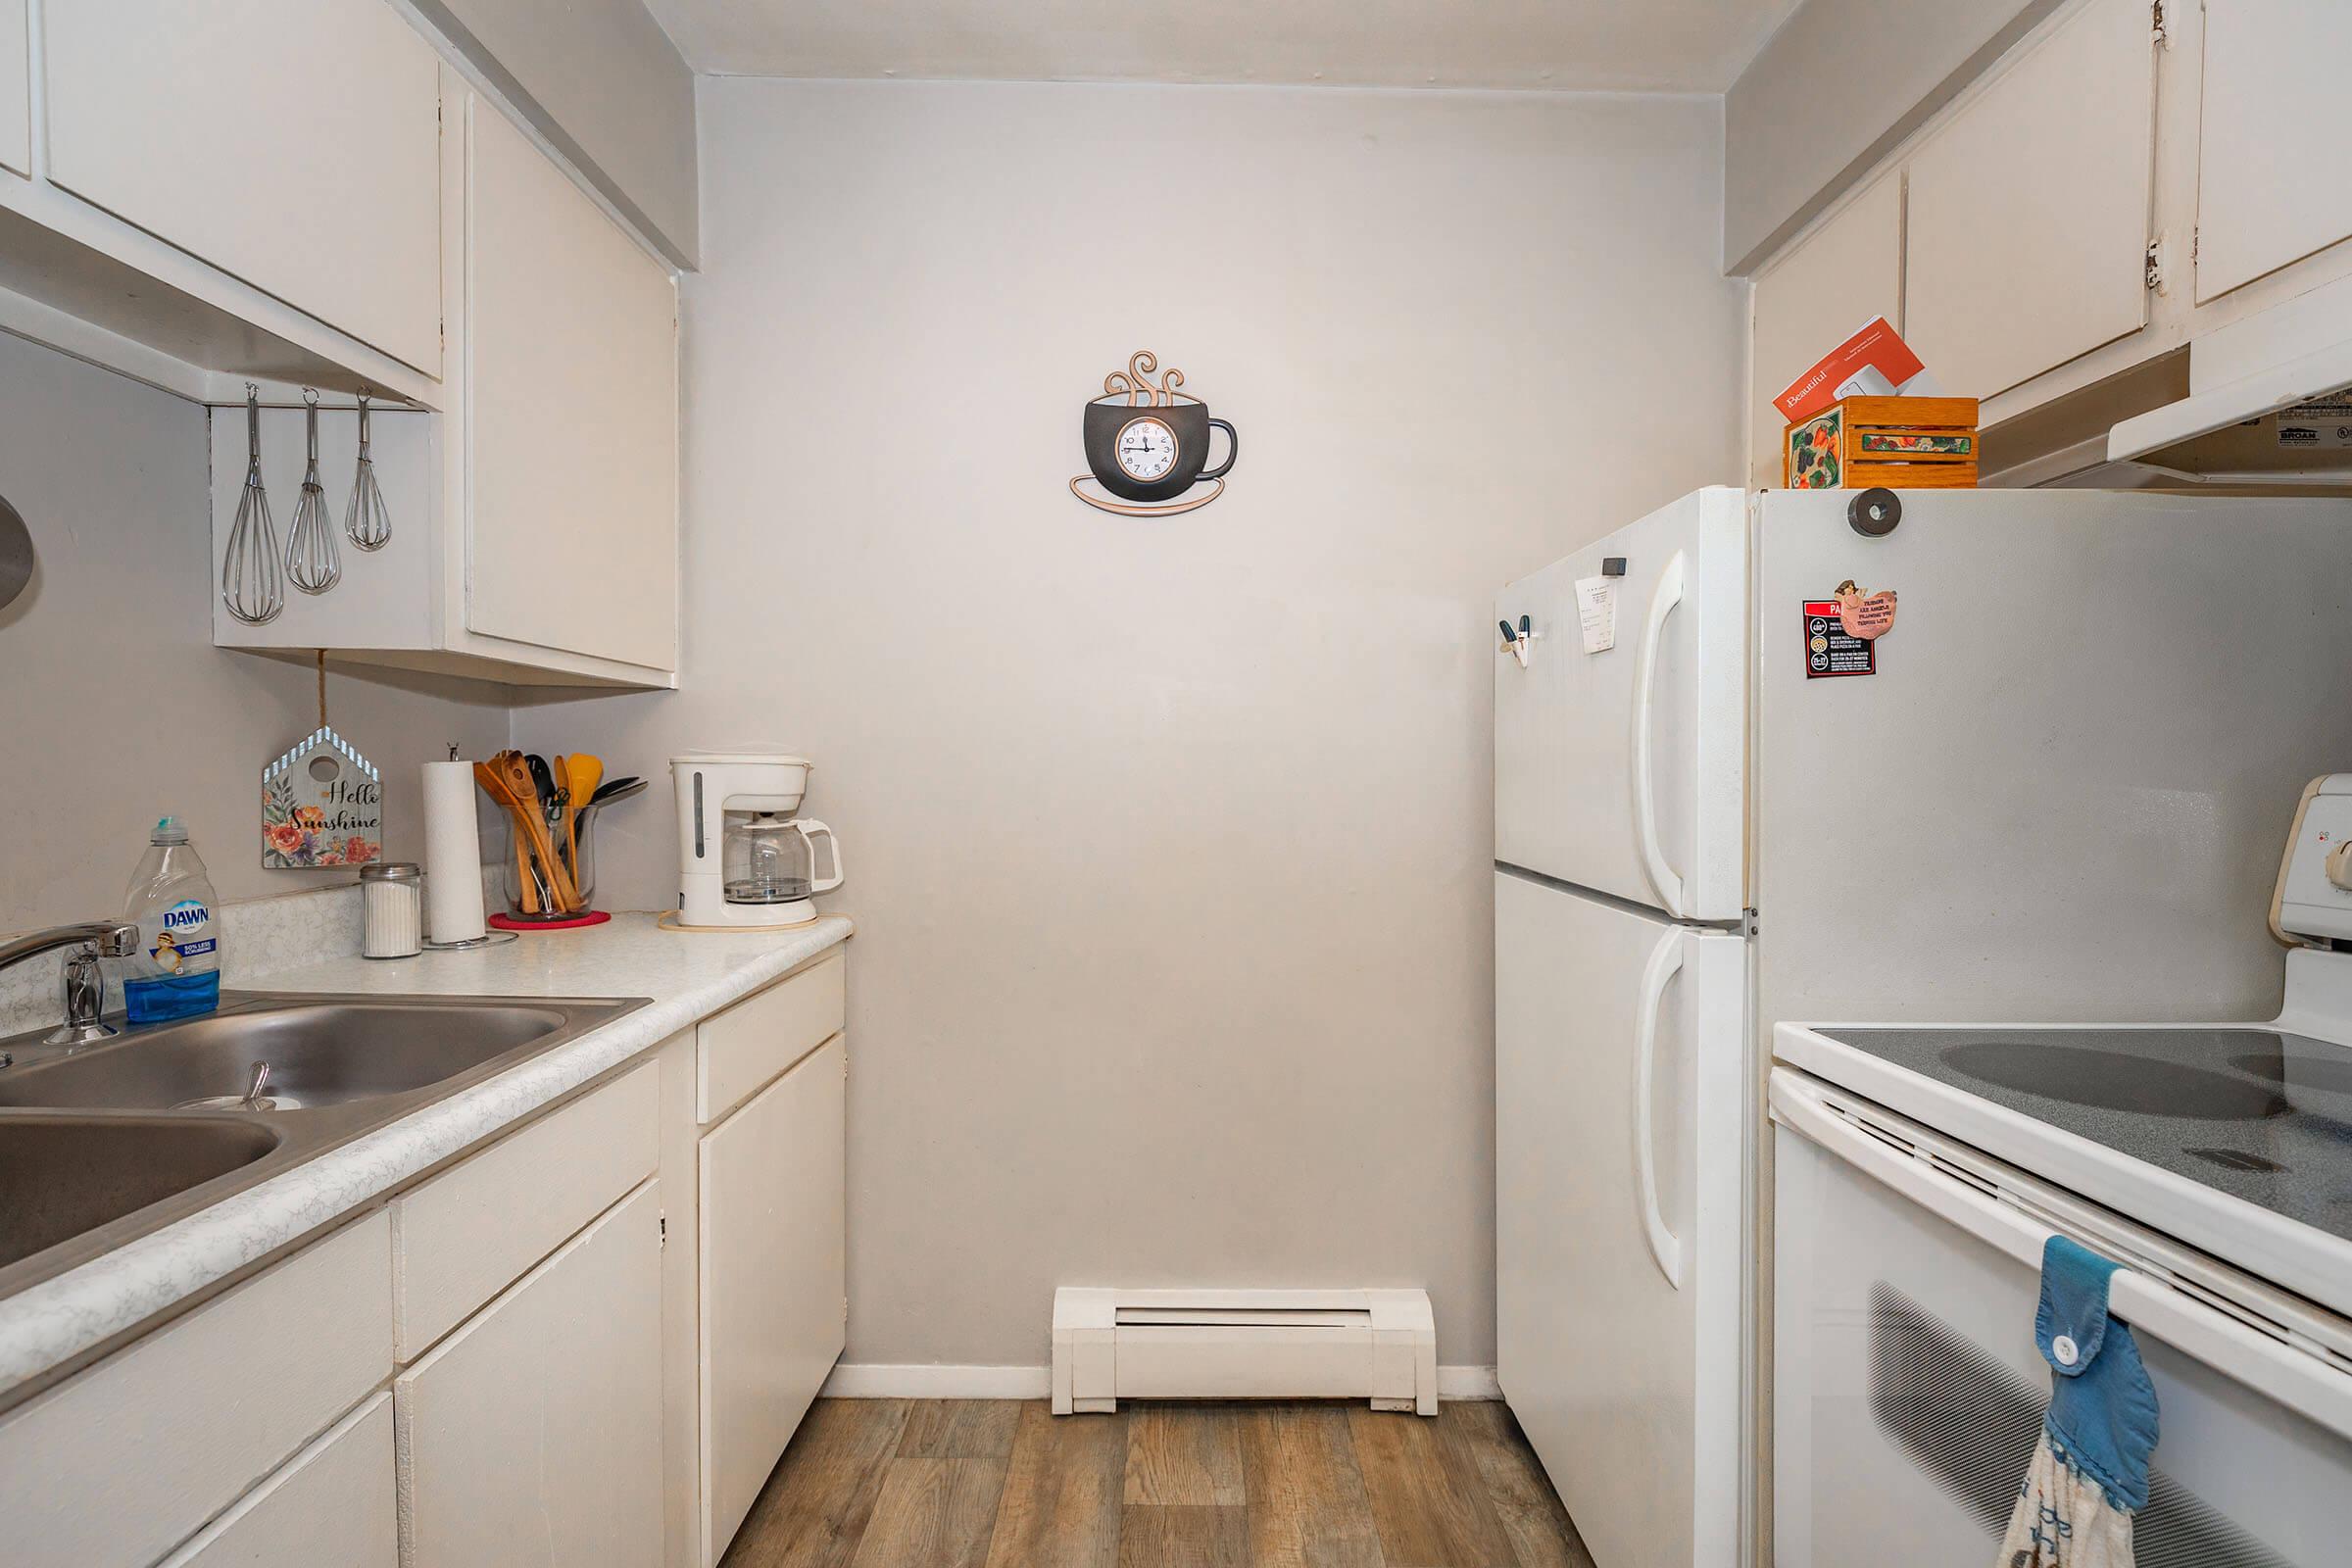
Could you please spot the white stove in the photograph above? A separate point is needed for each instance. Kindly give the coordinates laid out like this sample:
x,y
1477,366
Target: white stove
x,y
1919,1169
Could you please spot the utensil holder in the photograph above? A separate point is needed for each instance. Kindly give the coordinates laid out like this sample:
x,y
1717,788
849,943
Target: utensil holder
x,y
518,857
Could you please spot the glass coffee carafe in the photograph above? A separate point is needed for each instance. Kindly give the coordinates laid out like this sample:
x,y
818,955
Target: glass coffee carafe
x,y
770,858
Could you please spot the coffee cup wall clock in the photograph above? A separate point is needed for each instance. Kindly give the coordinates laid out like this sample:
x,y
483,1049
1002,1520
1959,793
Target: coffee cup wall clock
x,y
1148,445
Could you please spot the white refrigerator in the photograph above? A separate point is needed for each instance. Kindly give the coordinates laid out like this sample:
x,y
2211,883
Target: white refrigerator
x,y
2043,793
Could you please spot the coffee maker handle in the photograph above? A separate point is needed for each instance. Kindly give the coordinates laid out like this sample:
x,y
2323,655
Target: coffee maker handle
x,y
1233,450
810,829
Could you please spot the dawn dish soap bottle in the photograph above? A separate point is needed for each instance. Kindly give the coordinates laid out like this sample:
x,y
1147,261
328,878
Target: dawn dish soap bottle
x,y
176,971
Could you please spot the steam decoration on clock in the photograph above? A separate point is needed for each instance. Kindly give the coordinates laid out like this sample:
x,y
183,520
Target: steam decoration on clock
x,y
1148,445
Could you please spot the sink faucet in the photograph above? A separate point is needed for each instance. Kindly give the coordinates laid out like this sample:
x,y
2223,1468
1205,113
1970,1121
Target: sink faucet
x,y
85,982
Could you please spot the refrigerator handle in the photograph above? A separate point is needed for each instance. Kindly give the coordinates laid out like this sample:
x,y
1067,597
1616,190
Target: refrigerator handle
x,y
1662,875
1665,961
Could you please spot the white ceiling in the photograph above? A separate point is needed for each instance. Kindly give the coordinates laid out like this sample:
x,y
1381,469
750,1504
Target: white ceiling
x,y
1696,45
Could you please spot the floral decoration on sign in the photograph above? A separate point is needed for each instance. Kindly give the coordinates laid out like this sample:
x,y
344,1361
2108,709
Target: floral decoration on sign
x,y
322,806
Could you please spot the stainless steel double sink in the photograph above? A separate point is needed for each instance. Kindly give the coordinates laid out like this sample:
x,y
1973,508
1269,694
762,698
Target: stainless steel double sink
x,y
110,1141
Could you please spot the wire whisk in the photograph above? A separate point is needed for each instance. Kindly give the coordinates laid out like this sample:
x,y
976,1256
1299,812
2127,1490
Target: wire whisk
x,y
251,586
366,520
314,563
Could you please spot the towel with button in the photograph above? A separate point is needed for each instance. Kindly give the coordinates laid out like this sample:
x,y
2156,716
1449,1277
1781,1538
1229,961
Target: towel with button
x,y
2089,1472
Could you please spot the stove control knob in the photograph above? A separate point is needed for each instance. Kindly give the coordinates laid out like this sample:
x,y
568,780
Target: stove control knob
x,y
2339,865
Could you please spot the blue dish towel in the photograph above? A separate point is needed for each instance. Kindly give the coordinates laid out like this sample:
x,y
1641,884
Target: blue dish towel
x,y
2089,1472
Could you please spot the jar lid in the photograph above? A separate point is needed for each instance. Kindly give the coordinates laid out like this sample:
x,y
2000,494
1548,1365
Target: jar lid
x,y
392,871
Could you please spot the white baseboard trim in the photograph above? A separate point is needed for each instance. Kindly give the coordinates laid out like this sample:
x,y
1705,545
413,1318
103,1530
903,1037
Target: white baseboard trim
x,y
867,1380
1468,1383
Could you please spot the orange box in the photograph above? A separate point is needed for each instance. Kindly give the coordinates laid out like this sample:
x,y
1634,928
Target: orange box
x,y
1875,353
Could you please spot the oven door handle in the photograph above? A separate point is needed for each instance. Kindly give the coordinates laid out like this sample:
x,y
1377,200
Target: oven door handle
x,y
2300,1379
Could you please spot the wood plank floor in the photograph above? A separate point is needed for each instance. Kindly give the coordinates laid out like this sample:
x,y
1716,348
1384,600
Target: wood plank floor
x,y
996,1484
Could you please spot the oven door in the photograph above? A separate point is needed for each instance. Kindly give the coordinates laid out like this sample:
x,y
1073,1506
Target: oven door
x,y
1908,1392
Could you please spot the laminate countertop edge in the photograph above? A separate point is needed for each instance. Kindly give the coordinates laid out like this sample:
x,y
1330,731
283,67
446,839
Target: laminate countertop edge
x,y
51,1329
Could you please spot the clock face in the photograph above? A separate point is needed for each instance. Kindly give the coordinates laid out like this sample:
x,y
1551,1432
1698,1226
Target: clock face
x,y
1147,450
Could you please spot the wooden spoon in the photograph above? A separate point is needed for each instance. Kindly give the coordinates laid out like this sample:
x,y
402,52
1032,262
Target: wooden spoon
x,y
510,784
532,814
581,772
495,787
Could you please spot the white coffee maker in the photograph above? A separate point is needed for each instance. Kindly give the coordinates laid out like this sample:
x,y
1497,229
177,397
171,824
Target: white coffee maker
x,y
744,859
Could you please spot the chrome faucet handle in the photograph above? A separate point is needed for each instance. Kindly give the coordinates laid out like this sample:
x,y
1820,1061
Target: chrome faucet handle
x,y
254,1098
86,983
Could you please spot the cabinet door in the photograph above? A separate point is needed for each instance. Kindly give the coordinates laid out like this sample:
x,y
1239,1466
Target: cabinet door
x,y
332,1503
15,89
573,407
531,1438
2268,192
1813,298
176,1426
2027,225
773,1277
295,144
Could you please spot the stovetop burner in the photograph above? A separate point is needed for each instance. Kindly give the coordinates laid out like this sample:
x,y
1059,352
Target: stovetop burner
x,y
2257,1113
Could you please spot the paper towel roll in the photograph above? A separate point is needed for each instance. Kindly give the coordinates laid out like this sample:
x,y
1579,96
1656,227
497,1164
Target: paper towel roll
x,y
453,854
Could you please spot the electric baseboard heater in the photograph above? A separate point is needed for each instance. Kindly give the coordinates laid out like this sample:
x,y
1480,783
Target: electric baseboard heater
x,y
1113,1345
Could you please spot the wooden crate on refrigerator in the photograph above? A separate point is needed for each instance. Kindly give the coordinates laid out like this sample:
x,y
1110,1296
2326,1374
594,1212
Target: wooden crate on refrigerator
x,y
1857,443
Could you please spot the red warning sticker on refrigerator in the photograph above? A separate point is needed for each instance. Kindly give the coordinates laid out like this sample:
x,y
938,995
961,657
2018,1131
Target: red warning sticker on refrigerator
x,y
1829,649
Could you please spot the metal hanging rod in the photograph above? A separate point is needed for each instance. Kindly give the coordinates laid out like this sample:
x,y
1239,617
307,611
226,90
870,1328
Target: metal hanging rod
x,y
375,405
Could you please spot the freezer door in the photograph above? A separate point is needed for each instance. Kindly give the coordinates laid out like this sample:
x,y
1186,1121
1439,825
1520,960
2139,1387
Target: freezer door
x,y
1620,1142
1908,1392
1623,770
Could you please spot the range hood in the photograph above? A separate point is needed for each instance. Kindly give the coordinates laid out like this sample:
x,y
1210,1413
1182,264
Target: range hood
x,y
2266,400
2263,406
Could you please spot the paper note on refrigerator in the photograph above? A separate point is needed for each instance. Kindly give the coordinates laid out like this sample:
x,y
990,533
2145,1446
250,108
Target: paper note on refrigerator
x,y
1596,612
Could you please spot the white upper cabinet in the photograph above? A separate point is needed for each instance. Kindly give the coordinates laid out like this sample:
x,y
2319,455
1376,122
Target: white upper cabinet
x,y
293,144
2269,191
571,405
535,514
2029,210
15,89
1844,273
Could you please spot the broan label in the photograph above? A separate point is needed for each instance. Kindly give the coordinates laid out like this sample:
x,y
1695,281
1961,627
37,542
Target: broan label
x,y
2323,424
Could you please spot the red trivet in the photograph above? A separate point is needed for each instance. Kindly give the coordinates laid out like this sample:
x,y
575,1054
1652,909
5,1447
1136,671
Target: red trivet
x,y
507,922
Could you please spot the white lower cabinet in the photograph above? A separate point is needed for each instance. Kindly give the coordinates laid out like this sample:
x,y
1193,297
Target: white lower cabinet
x,y
124,1461
773,1277
531,1438
333,1502
584,1344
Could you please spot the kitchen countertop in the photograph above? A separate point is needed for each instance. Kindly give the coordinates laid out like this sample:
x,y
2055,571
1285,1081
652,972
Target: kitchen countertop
x,y
62,1321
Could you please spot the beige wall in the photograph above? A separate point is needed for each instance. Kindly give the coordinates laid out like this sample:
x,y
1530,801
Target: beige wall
x,y
1842,81
1170,840
602,80
114,707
